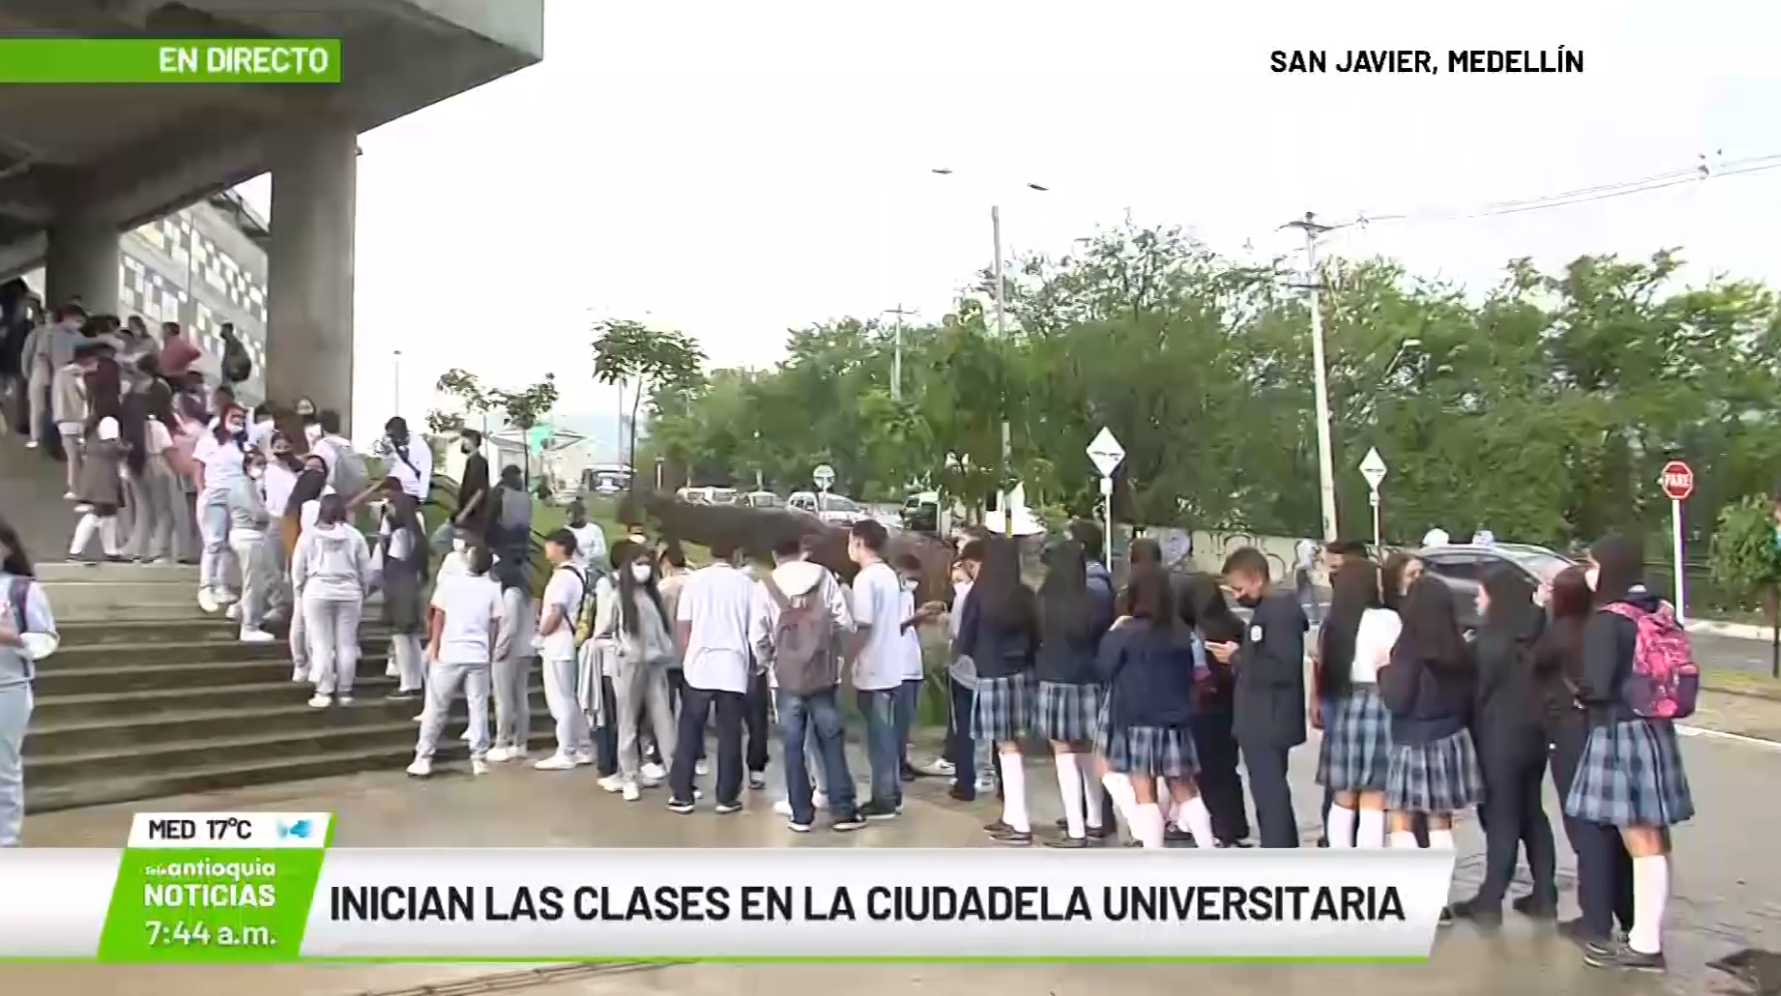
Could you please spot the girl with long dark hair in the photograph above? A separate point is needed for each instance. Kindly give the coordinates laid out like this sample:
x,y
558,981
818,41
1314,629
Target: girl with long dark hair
x,y
999,631
27,635
1630,775
1071,625
1148,664
100,490
1428,688
1355,643
1512,745
1397,574
402,553
1205,608
636,622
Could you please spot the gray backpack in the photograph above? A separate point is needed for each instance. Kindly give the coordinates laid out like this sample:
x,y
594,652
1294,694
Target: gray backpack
x,y
804,659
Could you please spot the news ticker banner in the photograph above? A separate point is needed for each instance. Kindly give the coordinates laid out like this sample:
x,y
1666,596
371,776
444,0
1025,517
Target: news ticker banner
x,y
267,887
169,60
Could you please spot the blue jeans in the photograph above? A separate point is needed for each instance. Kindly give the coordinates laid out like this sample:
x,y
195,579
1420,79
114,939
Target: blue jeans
x,y
908,699
882,747
15,715
802,718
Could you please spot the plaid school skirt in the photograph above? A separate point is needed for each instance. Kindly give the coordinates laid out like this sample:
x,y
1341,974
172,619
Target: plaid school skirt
x,y
1154,751
1068,713
1356,751
1004,709
1631,775
1440,777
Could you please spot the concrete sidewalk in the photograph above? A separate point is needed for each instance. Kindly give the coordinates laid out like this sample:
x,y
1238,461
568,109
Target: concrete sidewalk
x,y
1728,893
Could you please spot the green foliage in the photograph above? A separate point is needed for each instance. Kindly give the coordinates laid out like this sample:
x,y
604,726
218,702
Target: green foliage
x,y
521,409
663,364
1541,408
1745,553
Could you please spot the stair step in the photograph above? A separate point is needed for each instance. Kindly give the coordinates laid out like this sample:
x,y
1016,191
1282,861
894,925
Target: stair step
x,y
185,628
74,596
52,683
224,775
91,657
277,689
51,574
48,740
397,731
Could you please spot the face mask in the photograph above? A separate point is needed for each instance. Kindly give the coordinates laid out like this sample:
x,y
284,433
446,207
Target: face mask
x,y
256,472
457,545
1591,575
312,432
909,585
640,573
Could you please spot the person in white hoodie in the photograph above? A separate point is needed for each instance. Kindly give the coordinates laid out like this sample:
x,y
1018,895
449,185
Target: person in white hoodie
x,y
635,622
463,636
248,523
331,572
797,612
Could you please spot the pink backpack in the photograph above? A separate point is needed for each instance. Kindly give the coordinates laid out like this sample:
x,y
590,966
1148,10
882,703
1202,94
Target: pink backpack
x,y
1665,679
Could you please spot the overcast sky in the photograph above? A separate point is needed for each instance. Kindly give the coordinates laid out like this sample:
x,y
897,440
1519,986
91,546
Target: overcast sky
x,y
737,169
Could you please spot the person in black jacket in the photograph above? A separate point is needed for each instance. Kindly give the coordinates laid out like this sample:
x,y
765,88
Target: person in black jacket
x,y
1354,757
1604,868
1149,662
1428,688
999,631
1630,775
474,497
1204,608
1269,704
1508,731
1072,622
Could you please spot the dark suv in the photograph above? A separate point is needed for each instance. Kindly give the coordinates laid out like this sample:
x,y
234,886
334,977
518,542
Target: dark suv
x,y
1463,567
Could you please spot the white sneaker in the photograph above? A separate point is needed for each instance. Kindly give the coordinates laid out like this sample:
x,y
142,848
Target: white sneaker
x,y
421,768
939,767
207,600
986,783
612,783
652,772
583,758
500,755
421,718
68,496
344,700
257,636
31,444
390,670
784,808
478,766
466,737
632,792
701,768
233,611
820,800
226,597
320,701
299,673
555,762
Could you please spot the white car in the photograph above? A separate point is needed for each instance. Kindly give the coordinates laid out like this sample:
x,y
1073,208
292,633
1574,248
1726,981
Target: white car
x,y
708,496
836,510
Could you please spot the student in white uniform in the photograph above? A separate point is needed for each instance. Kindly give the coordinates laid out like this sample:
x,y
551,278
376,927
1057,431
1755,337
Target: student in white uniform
x,y
331,571
408,460
636,624
590,539
563,595
221,454
712,626
275,488
465,631
27,635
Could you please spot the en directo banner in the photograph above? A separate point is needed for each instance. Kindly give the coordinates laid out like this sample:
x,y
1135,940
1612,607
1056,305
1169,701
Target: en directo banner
x,y
268,887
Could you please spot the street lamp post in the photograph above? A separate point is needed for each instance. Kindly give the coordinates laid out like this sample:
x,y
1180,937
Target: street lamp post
x,y
1001,305
396,382
1326,472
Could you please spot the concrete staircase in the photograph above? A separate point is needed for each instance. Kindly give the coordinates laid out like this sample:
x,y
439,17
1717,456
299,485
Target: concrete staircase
x,y
149,697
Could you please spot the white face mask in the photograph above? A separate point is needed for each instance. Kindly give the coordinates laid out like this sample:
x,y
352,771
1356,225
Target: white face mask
x,y
640,573
909,584
256,472
457,545
312,432
1591,575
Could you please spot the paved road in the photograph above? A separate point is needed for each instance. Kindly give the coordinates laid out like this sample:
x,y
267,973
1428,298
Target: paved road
x,y
1727,882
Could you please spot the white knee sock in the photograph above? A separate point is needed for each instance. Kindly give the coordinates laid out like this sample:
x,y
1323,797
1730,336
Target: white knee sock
x,y
108,540
84,530
1195,818
1370,834
1091,799
1069,785
1651,892
1440,840
1165,802
1341,827
1125,800
1014,793
1403,838
1147,824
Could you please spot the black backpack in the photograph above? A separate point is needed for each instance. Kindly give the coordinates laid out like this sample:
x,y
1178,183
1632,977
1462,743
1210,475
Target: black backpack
x,y
237,365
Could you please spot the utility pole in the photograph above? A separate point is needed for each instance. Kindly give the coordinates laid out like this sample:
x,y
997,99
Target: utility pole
x,y
1002,491
897,351
1326,473
396,382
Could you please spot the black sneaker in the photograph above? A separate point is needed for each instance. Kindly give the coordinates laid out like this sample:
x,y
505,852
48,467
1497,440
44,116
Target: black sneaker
x,y
1446,918
1536,906
1173,834
908,773
1233,842
875,810
1624,958
848,823
680,806
1323,842
726,808
401,696
1478,913
1062,825
994,827
1600,953
1013,838
1067,843
1099,833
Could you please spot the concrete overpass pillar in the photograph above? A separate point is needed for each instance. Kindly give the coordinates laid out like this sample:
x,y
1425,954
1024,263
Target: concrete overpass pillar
x,y
81,261
309,331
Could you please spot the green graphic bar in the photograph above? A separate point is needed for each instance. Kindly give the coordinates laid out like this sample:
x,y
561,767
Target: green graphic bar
x,y
169,60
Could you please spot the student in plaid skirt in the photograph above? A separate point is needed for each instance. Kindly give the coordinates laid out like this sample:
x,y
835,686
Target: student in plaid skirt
x,y
1355,756
1072,622
1149,662
1204,607
1428,688
999,631
1630,774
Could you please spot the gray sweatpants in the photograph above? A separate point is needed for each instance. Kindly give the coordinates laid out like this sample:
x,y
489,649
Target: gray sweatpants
x,y
158,527
249,546
278,584
573,735
442,686
332,627
512,669
410,659
636,686
15,715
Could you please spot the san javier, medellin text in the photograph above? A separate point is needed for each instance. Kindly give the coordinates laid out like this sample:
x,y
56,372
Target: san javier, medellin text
x,y
1418,60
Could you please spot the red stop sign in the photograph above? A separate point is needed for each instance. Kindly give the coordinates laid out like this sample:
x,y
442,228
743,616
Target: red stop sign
x,y
1677,480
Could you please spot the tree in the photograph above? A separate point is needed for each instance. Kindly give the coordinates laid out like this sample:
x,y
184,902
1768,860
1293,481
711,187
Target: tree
x,y
521,409
651,361
1746,556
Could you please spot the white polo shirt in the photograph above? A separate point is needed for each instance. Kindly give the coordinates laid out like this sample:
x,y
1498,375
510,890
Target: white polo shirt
x,y
716,602
878,604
